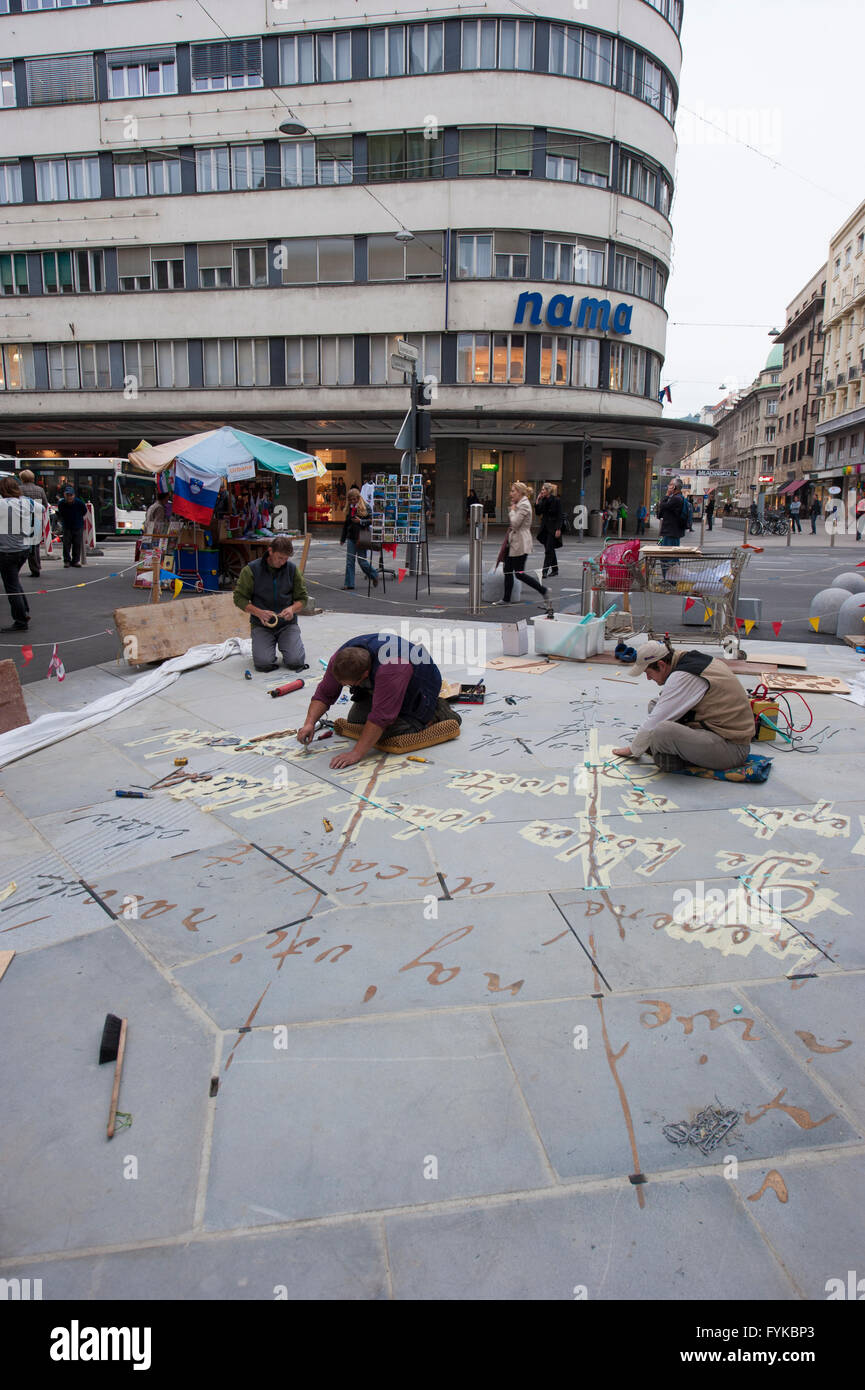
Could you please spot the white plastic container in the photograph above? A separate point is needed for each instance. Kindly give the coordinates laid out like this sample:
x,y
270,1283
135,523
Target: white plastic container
x,y
565,636
515,638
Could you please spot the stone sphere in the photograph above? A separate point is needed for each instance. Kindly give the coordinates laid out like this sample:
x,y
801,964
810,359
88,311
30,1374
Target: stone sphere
x,y
826,605
851,581
493,587
461,571
850,617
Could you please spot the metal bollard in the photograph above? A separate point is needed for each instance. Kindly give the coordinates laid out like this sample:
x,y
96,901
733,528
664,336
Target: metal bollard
x,y
447,526
475,557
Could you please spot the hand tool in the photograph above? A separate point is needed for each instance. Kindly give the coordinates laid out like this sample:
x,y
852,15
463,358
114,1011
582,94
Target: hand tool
x,y
111,1049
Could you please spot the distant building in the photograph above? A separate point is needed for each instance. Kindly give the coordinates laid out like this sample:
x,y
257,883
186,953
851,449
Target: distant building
x,y
840,432
801,378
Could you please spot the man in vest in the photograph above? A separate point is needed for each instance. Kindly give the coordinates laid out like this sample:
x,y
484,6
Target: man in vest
x,y
271,590
395,686
702,716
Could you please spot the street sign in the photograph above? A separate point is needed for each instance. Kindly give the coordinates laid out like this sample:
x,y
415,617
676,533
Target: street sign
x,y
698,473
406,350
402,364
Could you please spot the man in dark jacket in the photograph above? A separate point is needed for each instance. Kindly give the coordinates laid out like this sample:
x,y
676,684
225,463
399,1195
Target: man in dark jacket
x,y
30,488
549,509
671,513
395,686
271,590
72,512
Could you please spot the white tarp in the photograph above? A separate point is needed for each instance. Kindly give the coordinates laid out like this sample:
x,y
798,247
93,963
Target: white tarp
x,y
50,728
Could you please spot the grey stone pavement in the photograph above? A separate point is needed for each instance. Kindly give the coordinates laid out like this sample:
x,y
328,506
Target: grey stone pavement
x,y
449,1032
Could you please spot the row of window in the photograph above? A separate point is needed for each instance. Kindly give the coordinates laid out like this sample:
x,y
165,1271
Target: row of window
x,y
176,364
477,152
503,255
393,50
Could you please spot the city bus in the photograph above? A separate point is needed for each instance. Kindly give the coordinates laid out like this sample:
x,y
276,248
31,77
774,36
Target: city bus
x,y
120,496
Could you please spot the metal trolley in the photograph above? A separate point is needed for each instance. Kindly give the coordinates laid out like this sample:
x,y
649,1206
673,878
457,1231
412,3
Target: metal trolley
x,y
712,579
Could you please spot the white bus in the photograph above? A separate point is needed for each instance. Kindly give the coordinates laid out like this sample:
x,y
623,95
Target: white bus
x,y
120,496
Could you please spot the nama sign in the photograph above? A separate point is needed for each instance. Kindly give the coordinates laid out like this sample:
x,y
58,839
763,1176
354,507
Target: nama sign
x,y
591,314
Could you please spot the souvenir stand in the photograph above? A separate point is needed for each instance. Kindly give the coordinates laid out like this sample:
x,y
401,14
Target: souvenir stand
x,y
398,517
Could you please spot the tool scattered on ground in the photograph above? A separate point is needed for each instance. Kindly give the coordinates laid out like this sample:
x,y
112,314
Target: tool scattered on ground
x,y
262,738
175,778
706,1131
327,825
469,695
180,762
247,675
111,1049
8,891
285,689
411,759
737,1008
137,796
509,700
328,733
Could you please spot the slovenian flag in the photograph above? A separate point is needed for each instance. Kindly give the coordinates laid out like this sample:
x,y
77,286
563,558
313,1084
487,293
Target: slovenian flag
x,y
195,492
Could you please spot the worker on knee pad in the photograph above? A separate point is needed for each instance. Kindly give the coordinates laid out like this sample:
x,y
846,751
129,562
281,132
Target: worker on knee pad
x,y
702,717
395,688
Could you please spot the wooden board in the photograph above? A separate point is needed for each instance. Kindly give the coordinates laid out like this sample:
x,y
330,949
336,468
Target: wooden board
x,y
854,641
535,667
170,629
5,958
13,711
767,659
817,685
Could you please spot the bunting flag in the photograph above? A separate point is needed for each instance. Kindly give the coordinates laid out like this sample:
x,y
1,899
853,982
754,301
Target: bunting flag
x,y
390,548
749,623
689,603
401,574
776,628
178,585
27,653
740,622
710,612
55,666
815,623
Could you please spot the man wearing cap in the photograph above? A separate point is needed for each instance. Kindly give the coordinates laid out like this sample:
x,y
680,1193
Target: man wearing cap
x,y
702,716
72,512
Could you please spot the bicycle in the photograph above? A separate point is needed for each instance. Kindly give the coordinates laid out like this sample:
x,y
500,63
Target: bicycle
x,y
756,527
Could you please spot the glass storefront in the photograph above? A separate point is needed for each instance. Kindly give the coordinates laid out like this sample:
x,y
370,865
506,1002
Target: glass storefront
x,y
352,467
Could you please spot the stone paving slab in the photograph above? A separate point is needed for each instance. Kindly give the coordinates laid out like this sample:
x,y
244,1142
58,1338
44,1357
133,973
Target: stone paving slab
x,y
345,1119
126,832
49,905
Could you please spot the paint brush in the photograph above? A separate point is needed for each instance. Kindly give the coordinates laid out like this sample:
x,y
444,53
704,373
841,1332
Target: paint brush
x,y
111,1049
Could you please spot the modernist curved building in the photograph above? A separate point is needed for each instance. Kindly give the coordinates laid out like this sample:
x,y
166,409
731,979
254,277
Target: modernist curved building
x,y
493,184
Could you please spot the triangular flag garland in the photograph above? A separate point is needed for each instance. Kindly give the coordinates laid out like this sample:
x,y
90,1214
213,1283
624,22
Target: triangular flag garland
x,y
27,653
749,623
55,666
815,623
400,575
776,628
178,585
689,603
740,622
710,612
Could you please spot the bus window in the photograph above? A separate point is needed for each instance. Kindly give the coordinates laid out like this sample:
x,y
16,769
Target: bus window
x,y
135,494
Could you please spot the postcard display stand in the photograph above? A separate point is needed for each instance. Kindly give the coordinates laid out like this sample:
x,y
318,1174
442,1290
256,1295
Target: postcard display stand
x,y
398,516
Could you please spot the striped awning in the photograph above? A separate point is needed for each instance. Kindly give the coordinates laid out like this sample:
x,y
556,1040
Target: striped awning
x,y
792,487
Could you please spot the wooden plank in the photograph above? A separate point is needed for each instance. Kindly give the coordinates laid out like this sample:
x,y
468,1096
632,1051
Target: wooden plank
x,y
817,685
172,628
5,958
798,663
302,565
13,711
854,641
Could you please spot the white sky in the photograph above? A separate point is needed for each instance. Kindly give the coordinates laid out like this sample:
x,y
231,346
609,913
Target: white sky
x,y
785,76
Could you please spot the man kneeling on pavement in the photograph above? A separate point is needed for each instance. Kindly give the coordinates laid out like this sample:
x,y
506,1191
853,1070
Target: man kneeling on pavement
x,y
395,686
271,590
701,718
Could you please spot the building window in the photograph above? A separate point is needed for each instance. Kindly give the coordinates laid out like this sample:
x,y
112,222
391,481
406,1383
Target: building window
x,y
403,155
837,268
298,163
7,85
478,44
89,272
337,361
172,364
426,48
572,160
633,275
509,358
597,58
168,268
220,366
63,372
13,273
652,84
10,183
334,57
134,269
770,434
140,363
848,255
239,167
421,259
473,357
569,361
19,367
619,367
574,264
660,285
297,59
381,373
253,362
250,266
512,255
565,50
55,80
140,175
516,44
333,159
387,51
150,75
95,367
247,167
637,180
51,4
217,67
316,260
60,180
301,362
474,364
214,266
487,151
475,256
57,272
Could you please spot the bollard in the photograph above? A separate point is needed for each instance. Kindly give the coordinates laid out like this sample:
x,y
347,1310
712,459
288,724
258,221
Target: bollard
x,y
486,524
702,527
447,526
475,557
789,530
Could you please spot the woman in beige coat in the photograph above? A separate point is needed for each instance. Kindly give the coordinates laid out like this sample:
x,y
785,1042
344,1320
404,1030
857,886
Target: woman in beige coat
x,y
520,542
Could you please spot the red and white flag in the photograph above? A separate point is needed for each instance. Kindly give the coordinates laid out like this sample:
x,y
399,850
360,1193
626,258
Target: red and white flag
x,y
55,666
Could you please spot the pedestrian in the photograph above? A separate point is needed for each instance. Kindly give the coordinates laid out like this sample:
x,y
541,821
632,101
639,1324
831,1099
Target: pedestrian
x,y
752,511
795,509
710,510
271,590
688,508
30,488
20,523
471,501
154,517
549,508
356,521
623,515
642,518
518,542
367,493
860,518
671,514
72,512
728,508
815,514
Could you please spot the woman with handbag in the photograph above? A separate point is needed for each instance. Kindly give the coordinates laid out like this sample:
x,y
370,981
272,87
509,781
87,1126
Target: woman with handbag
x,y
355,537
549,509
518,542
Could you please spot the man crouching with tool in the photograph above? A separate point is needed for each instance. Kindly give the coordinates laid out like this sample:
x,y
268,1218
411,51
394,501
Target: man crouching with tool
x,y
702,716
271,590
395,686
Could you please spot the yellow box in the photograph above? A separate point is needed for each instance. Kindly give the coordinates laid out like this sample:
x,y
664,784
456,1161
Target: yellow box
x,y
770,709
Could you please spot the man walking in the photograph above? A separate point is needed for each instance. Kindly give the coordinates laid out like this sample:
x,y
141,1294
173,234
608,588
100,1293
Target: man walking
x,y
710,510
30,488
20,523
701,717
642,518
271,590
815,513
795,509
72,512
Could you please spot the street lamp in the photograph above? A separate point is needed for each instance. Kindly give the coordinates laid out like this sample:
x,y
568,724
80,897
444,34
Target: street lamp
x,y
292,128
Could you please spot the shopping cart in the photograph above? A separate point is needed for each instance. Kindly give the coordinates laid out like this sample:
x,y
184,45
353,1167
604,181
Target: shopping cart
x,y
712,580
